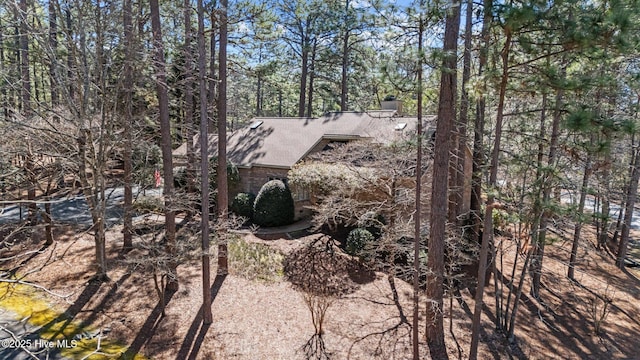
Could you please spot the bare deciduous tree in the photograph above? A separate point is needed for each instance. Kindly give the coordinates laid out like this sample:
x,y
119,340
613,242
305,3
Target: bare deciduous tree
x,y
165,129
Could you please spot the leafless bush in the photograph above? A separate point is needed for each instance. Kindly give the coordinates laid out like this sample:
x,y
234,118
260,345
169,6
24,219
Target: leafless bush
x,y
151,256
323,276
598,307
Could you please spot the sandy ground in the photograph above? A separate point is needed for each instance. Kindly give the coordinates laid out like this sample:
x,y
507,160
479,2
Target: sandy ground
x,y
257,319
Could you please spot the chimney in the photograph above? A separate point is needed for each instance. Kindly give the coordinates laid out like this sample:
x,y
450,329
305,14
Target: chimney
x,y
390,103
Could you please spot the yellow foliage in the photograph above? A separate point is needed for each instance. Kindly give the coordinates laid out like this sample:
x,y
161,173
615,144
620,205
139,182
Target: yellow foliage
x,y
25,303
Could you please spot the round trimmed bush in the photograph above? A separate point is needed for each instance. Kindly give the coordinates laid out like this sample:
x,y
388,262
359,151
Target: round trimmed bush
x,y
273,205
357,240
242,204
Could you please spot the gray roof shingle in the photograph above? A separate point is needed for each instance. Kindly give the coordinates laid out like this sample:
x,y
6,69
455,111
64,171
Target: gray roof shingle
x,y
282,142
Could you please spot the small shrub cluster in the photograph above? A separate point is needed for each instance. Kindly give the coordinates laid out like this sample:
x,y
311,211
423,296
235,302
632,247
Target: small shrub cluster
x,y
273,205
357,241
361,241
242,205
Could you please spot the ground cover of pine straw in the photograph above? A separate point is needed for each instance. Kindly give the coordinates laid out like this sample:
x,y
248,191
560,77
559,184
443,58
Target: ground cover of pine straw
x,y
265,317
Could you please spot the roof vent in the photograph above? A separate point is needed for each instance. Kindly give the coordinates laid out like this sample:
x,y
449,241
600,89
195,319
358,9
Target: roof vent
x,y
256,124
391,103
400,126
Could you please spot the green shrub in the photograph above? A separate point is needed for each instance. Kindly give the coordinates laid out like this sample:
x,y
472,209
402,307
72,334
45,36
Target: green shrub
x,y
242,204
357,240
273,205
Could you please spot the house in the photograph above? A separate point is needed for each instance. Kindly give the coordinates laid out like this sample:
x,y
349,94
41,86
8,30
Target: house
x,y
267,148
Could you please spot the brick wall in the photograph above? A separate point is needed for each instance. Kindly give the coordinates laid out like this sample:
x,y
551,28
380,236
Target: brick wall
x,y
251,180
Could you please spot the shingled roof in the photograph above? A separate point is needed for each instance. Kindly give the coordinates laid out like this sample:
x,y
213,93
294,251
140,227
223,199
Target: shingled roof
x,y
282,142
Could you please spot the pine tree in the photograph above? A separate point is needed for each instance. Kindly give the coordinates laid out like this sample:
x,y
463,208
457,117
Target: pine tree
x,y
439,190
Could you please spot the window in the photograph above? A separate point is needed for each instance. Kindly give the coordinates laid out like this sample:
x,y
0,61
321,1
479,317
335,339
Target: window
x,y
301,193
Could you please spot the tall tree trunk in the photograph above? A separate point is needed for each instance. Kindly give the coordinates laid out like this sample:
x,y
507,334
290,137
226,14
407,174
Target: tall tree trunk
x,y
189,123
100,156
417,218
93,193
461,172
24,58
85,65
213,76
312,76
259,84
478,128
223,189
540,234
487,253
606,174
604,221
618,227
632,193
579,217
17,91
346,34
127,126
458,151
53,44
48,220
99,66
30,170
36,90
26,103
70,51
303,77
4,103
204,164
165,130
141,19
439,192
539,174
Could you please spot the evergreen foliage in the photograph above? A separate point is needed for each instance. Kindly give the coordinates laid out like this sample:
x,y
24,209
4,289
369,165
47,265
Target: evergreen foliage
x,y
242,204
273,205
357,241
